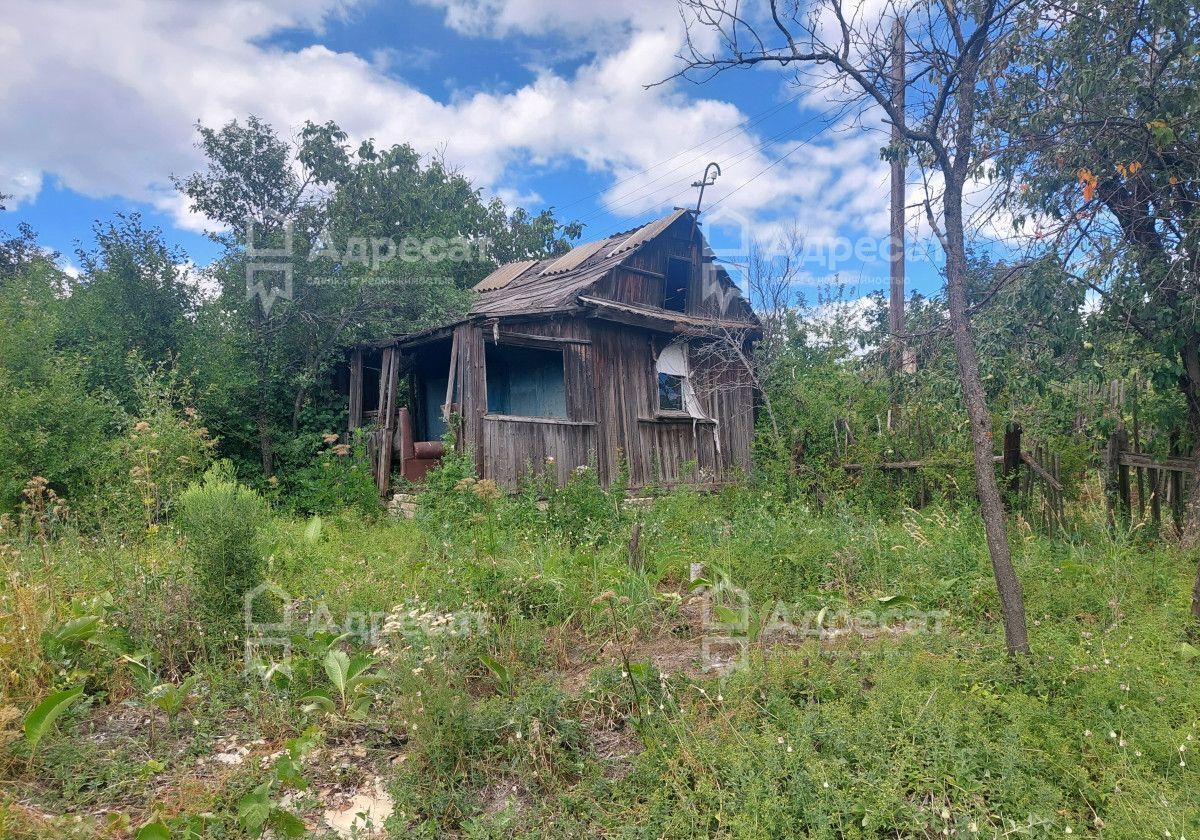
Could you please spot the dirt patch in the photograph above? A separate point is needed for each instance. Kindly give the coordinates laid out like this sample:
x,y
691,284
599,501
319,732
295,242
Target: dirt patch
x,y
363,813
616,748
674,648
505,794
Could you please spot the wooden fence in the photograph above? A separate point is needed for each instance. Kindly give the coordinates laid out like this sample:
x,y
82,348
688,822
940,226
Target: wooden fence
x,y
1152,483
1032,477
1137,483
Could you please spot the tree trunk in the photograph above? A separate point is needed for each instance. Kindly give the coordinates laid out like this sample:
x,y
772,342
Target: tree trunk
x,y
262,415
1189,384
991,508
297,404
265,446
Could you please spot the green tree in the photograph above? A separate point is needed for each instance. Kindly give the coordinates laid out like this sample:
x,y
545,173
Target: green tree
x,y
383,242
130,297
51,425
1099,122
1098,130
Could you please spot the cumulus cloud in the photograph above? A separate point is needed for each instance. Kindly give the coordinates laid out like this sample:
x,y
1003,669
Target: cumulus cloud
x,y
103,99
581,19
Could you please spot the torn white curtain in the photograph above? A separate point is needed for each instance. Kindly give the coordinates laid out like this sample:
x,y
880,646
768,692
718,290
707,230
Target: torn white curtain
x,y
673,361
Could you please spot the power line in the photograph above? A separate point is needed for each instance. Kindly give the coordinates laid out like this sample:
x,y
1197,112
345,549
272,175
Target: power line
x,y
747,123
641,194
762,172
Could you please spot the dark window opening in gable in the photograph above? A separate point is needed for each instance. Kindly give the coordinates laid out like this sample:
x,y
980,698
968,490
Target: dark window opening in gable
x,y
525,381
679,272
670,392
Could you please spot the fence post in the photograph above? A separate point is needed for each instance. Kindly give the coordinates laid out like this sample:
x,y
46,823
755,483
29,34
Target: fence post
x,y
1011,460
1156,491
1175,477
1123,478
1117,490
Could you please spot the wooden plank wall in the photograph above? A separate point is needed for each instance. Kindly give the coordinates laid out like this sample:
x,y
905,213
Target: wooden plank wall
x,y
356,389
471,388
658,450
726,393
639,279
505,449
515,446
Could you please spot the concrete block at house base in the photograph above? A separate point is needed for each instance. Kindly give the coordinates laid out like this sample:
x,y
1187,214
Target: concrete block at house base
x,y
403,505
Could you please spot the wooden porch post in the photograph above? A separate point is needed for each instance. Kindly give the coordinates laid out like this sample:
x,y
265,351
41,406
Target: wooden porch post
x,y
356,389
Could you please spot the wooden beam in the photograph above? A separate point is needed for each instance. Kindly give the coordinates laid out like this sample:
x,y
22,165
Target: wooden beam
x,y
551,421
1040,471
661,320
389,381
532,340
913,465
450,379
356,388
1172,464
645,272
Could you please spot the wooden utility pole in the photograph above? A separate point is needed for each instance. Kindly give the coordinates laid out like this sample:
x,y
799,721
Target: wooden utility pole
x,y
897,360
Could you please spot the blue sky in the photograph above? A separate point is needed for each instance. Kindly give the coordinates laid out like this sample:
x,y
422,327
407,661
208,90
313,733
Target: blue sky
x,y
540,102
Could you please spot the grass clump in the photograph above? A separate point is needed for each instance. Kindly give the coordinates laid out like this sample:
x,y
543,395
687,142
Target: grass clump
x,y
508,671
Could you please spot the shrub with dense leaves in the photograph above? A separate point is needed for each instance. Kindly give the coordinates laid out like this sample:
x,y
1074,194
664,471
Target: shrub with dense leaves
x,y
220,519
338,477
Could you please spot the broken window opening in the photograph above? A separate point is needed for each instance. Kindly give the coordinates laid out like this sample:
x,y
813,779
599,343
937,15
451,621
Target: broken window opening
x,y
675,285
525,381
670,392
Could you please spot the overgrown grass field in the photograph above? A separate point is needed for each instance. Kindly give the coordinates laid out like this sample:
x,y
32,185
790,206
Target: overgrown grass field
x,y
513,669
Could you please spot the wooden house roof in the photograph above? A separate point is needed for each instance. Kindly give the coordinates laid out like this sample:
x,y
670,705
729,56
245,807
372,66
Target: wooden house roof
x,y
555,284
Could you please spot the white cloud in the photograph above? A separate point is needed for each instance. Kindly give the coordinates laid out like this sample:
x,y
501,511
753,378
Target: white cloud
x,y
104,97
204,284
581,19
21,184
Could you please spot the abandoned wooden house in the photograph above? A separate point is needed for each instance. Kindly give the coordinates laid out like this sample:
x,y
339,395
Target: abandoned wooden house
x,y
628,352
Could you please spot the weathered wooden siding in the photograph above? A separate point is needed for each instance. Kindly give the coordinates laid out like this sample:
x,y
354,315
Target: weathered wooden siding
x,y
507,447
639,279
658,449
513,446
725,392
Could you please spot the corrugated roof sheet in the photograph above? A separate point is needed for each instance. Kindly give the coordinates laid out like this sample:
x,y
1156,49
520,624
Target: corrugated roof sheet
x,y
504,275
575,257
553,285
646,232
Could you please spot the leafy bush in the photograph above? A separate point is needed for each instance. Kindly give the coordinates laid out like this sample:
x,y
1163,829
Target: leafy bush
x,y
50,424
163,449
582,510
339,477
220,520
443,484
